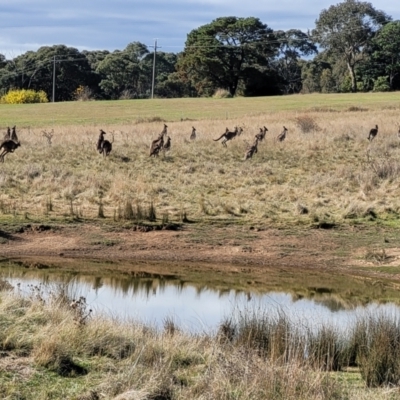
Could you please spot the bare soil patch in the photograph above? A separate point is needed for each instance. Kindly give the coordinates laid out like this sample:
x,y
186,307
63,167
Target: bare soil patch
x,y
230,248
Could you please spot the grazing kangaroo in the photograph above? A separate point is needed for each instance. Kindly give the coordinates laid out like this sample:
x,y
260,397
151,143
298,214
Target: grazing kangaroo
x,y
372,133
9,145
282,136
158,144
228,135
193,134
251,150
104,146
261,135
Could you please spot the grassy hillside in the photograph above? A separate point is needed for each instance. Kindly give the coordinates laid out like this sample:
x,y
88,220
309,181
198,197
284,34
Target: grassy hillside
x,y
326,171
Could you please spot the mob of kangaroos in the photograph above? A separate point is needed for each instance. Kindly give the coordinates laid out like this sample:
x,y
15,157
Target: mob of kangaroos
x,y
10,143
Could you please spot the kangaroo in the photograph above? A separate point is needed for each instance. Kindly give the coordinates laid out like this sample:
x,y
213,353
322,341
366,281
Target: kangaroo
x,y
261,135
167,144
156,146
7,136
228,135
372,133
104,146
9,145
193,134
100,141
252,149
14,136
282,136
107,147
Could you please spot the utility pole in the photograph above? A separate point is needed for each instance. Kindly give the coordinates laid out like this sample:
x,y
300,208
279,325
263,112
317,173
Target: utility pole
x,y
54,80
154,68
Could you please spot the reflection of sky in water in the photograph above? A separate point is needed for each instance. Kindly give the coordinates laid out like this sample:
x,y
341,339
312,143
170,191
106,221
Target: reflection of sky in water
x,y
202,310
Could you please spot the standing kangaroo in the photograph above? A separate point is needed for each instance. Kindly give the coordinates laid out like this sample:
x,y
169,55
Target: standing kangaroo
x,y
158,144
228,135
261,135
282,136
372,133
251,150
104,146
193,134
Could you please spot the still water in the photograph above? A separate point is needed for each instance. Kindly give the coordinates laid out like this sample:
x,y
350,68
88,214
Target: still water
x,y
192,308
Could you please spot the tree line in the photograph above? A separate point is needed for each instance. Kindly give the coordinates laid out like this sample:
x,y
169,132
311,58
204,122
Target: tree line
x,y
353,47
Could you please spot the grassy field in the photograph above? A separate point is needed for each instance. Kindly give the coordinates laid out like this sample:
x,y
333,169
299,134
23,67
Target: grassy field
x,y
325,172
101,113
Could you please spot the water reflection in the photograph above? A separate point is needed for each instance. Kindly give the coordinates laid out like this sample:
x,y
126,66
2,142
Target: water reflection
x,y
194,308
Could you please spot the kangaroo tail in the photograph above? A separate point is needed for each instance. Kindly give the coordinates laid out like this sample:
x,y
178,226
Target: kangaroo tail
x,y
215,140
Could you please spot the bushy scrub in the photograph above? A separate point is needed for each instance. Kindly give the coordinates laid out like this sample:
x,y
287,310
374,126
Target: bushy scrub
x,y
23,96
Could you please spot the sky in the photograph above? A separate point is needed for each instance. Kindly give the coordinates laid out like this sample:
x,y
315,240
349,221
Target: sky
x,y
113,24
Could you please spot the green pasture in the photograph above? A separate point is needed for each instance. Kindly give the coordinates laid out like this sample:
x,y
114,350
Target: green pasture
x,y
133,111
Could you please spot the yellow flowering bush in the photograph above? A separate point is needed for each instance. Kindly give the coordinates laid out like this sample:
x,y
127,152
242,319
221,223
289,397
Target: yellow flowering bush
x,y
23,96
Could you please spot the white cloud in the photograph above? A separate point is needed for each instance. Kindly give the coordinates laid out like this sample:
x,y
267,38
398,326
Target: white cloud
x,y
107,25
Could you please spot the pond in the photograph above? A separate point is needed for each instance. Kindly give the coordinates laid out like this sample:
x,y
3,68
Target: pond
x,y
193,307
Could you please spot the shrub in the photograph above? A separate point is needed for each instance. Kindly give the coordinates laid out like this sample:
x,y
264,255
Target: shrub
x,y
23,96
381,84
307,123
221,94
83,93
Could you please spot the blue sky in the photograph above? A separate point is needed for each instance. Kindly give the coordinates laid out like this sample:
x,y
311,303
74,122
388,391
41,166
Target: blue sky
x,y
112,24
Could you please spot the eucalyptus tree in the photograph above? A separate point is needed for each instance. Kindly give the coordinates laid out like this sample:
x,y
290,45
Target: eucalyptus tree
x,y
386,51
293,45
35,70
224,53
122,72
347,29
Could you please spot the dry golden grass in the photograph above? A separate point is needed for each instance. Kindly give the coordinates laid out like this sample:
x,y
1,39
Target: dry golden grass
x,y
332,174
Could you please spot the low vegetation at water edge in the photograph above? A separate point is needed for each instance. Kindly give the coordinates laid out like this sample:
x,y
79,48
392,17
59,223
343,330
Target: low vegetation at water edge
x,y
53,347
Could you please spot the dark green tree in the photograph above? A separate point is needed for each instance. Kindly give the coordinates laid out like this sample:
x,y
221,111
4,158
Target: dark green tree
x,y
293,44
122,72
223,53
386,51
347,29
34,70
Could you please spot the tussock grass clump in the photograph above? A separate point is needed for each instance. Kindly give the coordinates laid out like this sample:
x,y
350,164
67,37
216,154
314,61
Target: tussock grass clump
x,y
378,350
307,123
